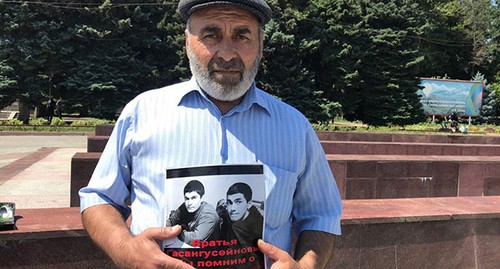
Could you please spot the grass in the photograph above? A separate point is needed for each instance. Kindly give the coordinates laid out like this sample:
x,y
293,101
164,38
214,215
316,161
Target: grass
x,y
88,125
425,127
57,125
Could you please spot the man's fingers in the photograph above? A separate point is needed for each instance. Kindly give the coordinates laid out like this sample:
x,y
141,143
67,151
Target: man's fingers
x,y
163,233
273,252
173,263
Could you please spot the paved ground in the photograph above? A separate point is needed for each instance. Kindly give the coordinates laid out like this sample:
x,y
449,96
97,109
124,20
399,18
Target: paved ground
x,y
35,170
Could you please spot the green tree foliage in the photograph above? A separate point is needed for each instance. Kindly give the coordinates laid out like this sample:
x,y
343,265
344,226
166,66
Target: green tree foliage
x,y
96,56
30,45
120,51
367,60
284,72
7,84
362,57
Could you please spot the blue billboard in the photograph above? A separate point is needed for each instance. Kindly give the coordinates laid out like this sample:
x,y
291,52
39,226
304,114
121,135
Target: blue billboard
x,y
442,97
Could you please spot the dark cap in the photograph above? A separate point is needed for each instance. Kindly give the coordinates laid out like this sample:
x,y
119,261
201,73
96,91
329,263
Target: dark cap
x,y
258,7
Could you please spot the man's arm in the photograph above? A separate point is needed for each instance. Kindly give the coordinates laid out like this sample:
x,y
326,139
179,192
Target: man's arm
x,y
107,228
205,227
312,251
314,248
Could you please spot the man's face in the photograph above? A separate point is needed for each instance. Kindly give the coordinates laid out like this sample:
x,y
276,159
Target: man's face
x,y
237,206
224,46
192,201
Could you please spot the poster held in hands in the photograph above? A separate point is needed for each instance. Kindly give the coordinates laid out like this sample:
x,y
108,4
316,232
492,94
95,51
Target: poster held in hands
x,y
221,211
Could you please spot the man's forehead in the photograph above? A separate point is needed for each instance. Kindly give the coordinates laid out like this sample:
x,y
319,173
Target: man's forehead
x,y
191,194
235,196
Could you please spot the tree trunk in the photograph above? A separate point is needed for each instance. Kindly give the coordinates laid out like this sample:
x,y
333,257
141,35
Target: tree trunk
x,y
24,112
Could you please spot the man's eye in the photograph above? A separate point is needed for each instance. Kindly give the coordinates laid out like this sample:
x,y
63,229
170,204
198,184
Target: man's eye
x,y
212,36
242,37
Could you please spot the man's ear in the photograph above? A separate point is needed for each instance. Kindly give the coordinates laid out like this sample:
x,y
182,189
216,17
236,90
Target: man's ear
x,y
186,35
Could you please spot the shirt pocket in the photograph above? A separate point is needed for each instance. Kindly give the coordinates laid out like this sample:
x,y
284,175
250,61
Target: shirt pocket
x,y
280,188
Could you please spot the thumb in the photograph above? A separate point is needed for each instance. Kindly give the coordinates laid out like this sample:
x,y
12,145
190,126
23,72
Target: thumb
x,y
272,252
163,233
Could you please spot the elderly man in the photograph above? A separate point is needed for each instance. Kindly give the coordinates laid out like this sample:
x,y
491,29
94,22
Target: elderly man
x,y
218,117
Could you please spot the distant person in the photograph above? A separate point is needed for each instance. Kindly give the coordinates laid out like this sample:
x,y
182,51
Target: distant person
x,y
454,121
444,122
50,110
59,107
198,219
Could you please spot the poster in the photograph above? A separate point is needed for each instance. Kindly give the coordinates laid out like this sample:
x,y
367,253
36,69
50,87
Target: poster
x,y
442,97
221,210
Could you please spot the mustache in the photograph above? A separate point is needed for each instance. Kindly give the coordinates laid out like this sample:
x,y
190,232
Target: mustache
x,y
218,63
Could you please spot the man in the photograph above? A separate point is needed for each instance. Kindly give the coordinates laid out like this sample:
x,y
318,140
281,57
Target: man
x,y
245,221
198,219
218,117
59,107
50,110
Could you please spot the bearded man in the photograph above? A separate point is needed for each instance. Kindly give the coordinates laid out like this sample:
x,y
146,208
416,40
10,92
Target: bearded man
x,y
218,117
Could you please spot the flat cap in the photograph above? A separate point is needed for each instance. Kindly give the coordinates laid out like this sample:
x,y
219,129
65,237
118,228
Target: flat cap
x,y
258,7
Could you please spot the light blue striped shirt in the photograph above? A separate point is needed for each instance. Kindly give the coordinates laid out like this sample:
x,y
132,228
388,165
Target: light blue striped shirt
x,y
179,126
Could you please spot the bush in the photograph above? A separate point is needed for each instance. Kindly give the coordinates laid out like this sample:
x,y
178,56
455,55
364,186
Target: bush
x,y
38,121
57,122
14,122
91,122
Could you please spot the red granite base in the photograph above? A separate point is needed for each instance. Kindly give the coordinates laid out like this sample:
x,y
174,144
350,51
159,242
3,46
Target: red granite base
x,y
470,243
404,176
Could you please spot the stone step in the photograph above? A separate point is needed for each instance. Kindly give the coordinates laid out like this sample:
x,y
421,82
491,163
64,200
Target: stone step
x,y
450,232
414,138
104,129
409,148
381,233
96,143
376,176
82,166
403,176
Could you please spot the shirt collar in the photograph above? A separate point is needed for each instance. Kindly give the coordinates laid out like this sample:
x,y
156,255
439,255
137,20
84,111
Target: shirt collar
x,y
253,96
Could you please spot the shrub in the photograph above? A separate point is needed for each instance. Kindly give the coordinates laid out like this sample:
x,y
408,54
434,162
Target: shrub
x,y
91,122
38,121
14,122
57,122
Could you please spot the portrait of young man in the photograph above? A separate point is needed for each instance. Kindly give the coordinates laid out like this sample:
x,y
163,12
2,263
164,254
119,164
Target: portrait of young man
x,y
244,222
220,116
198,219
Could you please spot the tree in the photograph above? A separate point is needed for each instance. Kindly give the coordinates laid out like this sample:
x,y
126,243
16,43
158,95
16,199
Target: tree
x,y
284,73
7,84
96,55
369,60
122,50
29,44
477,26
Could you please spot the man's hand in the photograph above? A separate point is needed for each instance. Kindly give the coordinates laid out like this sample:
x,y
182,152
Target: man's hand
x,y
142,251
283,260
106,226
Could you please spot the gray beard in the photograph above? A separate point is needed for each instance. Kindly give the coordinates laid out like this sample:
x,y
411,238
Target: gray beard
x,y
223,91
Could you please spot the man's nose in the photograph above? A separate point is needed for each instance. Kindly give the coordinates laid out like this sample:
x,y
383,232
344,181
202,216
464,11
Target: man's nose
x,y
227,50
